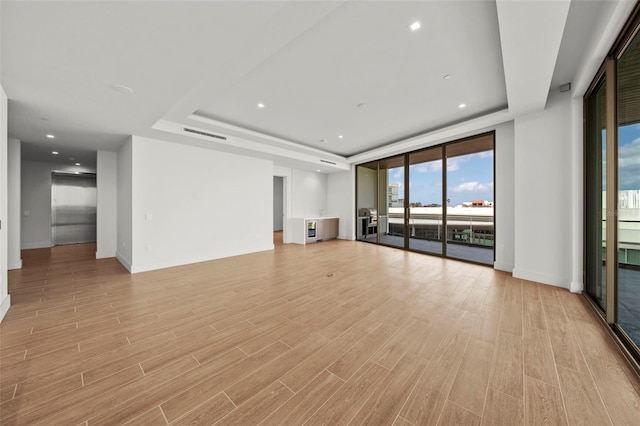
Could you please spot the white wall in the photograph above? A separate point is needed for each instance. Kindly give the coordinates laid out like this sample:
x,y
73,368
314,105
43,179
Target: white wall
x,y
543,193
340,201
5,299
106,214
36,201
577,216
192,204
13,220
124,225
308,193
278,203
504,192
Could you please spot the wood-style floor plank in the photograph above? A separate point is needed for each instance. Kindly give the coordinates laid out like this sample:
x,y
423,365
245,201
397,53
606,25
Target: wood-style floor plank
x,y
543,404
307,401
502,409
581,398
347,401
470,385
538,356
455,415
360,334
430,394
387,400
508,367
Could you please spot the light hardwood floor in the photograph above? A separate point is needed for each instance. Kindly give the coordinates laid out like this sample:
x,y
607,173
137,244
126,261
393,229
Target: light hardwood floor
x,y
332,333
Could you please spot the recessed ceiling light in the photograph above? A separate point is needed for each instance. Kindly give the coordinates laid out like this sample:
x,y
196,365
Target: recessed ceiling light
x,y
318,170
340,136
51,136
122,89
446,77
260,105
77,164
55,152
362,105
77,173
462,106
416,25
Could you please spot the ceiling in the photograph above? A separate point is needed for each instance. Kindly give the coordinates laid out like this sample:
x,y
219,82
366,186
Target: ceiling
x,y
207,66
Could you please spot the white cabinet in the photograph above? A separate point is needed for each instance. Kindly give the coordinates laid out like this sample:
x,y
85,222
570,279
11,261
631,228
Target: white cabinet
x,y
311,230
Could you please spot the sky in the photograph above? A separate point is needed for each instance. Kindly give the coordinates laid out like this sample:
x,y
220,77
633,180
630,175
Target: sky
x,y
469,177
629,157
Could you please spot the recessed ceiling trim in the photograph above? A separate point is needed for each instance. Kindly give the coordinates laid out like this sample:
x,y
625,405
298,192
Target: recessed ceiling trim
x,y
434,137
246,146
263,136
200,132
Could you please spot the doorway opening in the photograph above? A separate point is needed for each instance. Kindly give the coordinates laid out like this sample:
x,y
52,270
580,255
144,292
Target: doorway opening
x,y
278,210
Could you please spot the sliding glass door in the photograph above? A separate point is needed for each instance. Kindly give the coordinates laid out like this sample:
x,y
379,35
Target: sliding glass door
x,y
426,221
612,188
420,202
470,210
367,200
596,197
391,201
628,190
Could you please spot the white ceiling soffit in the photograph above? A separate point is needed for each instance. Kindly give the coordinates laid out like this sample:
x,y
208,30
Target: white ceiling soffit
x,y
276,151
530,35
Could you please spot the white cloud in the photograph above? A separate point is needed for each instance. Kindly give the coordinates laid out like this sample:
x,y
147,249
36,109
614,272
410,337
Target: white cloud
x,y
473,187
629,164
485,154
453,163
430,167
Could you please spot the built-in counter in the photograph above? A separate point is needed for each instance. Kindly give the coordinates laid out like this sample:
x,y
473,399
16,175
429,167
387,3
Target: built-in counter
x,y
313,229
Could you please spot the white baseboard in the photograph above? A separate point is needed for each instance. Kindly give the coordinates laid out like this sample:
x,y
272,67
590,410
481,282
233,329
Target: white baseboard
x,y
105,255
170,263
542,278
4,306
14,264
576,287
503,267
124,261
29,246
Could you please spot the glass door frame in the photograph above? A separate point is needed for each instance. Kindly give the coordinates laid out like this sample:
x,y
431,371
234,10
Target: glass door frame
x,y
406,204
608,71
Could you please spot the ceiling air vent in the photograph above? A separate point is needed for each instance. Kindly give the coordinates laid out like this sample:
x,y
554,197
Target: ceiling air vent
x,y
198,132
328,162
